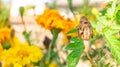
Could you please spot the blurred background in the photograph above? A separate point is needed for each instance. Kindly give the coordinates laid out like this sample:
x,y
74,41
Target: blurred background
x,y
10,11
37,7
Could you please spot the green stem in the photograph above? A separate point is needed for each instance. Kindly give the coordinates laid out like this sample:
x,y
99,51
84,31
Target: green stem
x,y
23,23
25,33
87,48
55,33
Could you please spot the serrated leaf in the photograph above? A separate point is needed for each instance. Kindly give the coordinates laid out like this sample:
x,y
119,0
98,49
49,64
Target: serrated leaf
x,y
74,46
74,57
74,39
103,20
105,29
111,10
113,43
93,23
77,46
117,14
72,31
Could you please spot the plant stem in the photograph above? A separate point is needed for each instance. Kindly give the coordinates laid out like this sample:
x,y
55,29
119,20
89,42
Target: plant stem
x,y
91,61
55,33
87,46
25,33
23,23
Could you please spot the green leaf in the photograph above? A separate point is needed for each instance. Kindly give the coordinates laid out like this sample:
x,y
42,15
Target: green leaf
x,y
72,31
77,47
117,14
104,11
113,43
27,36
111,10
21,10
74,57
74,39
74,46
103,20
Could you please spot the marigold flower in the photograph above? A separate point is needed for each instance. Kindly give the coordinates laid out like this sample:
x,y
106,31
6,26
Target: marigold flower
x,y
52,19
53,64
4,34
18,56
1,51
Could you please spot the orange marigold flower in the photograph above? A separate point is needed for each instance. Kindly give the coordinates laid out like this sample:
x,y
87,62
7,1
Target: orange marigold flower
x,y
52,19
69,24
4,34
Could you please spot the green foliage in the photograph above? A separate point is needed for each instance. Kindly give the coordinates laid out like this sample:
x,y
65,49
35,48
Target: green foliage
x,y
21,10
77,47
112,41
110,32
117,14
27,36
111,10
106,26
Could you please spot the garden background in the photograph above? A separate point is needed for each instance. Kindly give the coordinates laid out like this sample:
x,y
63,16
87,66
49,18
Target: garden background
x,y
59,33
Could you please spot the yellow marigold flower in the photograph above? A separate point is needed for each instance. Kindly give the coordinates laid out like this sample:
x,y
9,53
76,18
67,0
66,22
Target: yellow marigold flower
x,y
15,42
36,55
4,34
1,51
17,65
22,55
53,64
52,19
